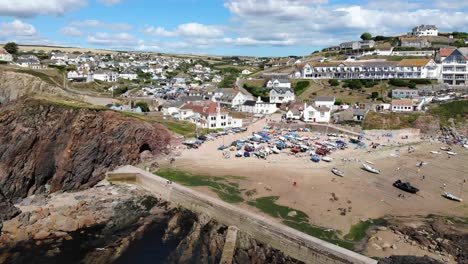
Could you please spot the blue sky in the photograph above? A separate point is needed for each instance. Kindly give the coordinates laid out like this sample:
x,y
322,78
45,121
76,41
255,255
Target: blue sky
x,y
220,27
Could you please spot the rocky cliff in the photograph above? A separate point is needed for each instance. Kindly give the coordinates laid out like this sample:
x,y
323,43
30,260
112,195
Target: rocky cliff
x,y
47,146
13,85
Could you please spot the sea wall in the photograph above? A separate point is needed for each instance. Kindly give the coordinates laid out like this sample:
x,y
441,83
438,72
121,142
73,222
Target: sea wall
x,y
290,241
410,132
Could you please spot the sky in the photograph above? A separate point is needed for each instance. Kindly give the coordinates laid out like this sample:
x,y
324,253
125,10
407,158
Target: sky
x,y
219,27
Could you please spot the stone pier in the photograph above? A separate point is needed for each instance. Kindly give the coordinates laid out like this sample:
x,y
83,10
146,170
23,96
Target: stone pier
x,y
291,242
229,246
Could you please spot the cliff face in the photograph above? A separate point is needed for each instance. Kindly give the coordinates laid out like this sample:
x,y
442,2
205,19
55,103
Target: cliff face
x,y
14,85
47,147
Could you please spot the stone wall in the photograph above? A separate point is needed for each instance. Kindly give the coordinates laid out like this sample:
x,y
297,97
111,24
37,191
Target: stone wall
x,y
410,132
290,241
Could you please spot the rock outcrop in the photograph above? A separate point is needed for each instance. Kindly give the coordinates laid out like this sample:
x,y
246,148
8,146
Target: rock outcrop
x,y
49,146
7,209
14,85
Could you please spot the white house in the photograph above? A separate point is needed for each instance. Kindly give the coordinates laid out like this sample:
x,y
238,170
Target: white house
x,y
455,68
230,97
281,95
316,114
128,75
280,83
208,115
425,30
105,76
80,76
327,101
59,56
5,56
402,105
258,107
295,111
246,72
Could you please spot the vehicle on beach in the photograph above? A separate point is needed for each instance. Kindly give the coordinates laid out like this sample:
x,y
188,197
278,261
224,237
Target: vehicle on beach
x,y
315,158
337,172
369,168
405,186
452,197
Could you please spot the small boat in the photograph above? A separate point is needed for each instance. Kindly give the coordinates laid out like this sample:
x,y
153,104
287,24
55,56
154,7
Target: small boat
x,y
394,155
436,152
314,159
370,162
327,159
275,150
337,172
239,154
446,148
451,153
452,197
370,168
405,186
465,146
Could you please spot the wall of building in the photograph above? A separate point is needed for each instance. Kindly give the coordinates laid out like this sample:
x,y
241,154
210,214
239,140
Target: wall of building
x,y
290,241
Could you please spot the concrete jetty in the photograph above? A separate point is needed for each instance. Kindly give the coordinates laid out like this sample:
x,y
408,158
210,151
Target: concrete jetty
x,y
290,241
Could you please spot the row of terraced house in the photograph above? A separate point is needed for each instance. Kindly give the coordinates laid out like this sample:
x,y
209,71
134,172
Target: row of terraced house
x,y
450,67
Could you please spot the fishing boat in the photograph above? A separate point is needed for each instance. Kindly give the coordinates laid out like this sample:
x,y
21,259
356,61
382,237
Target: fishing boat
x,y
405,186
370,168
452,197
327,159
436,152
451,153
337,172
446,148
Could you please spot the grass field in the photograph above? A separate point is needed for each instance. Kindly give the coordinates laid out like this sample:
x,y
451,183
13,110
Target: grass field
x,y
226,190
456,110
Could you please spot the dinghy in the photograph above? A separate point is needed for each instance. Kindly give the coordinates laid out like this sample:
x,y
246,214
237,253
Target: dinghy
x,y
451,153
436,152
337,172
370,168
452,197
327,159
446,148
405,186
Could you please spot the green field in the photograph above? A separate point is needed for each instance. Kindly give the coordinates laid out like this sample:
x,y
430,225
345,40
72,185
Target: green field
x,y
226,190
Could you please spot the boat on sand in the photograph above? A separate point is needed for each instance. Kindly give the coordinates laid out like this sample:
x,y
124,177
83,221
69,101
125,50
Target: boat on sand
x,y
327,159
337,172
405,186
370,168
452,197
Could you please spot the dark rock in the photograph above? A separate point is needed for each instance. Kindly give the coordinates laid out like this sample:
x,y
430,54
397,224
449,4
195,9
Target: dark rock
x,y
408,260
7,209
67,147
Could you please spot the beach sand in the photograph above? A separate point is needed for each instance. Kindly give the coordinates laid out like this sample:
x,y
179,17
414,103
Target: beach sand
x,y
364,195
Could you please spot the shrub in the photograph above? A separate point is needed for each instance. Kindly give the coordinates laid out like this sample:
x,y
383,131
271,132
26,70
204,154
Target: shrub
x,y
334,82
143,105
374,95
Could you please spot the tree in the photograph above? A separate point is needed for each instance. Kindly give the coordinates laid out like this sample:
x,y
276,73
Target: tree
x,y
143,105
334,82
11,48
374,95
366,36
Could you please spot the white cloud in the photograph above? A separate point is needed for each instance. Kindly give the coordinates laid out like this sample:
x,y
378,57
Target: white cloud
x,y
100,24
70,31
32,8
16,28
114,40
190,30
109,2
158,31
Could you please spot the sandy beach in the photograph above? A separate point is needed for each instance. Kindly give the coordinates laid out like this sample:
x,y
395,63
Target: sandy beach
x,y
364,195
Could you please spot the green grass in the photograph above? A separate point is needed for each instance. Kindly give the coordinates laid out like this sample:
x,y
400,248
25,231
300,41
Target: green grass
x,y
359,230
268,206
301,86
457,110
299,222
44,77
182,128
227,191
375,120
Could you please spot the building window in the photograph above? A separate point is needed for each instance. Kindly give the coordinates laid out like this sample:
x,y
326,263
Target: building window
x,y
213,118
212,125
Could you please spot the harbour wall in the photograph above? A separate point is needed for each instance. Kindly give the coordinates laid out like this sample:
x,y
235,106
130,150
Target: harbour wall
x,y
290,241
